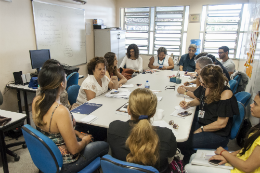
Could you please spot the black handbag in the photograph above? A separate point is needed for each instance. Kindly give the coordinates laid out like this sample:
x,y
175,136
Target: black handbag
x,y
245,127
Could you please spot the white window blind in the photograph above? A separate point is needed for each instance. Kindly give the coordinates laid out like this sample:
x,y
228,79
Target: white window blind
x,y
154,27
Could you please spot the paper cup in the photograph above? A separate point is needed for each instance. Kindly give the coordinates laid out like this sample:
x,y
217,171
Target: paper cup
x,y
159,114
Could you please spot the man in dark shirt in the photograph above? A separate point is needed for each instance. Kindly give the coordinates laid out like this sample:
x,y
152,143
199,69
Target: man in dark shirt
x,y
187,62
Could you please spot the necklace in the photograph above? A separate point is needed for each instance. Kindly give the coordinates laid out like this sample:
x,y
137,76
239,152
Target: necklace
x,y
162,61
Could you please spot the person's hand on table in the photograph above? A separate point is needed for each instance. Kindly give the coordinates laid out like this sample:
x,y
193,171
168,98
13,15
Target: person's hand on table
x,y
218,150
164,68
181,89
219,157
186,84
184,104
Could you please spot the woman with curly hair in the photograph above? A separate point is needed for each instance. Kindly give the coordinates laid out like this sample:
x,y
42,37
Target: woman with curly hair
x,y
112,72
137,141
132,60
217,105
245,160
96,83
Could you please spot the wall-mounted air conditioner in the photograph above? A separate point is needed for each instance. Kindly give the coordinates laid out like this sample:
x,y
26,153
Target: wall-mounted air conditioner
x,y
82,2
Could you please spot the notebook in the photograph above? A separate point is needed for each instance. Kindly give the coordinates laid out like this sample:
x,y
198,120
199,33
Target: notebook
x,y
202,158
86,108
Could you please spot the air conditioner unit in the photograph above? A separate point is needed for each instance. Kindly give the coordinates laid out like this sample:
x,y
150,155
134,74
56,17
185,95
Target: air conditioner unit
x,y
82,2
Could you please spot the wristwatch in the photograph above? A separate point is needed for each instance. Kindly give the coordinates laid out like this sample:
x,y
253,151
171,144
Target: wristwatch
x,y
201,127
185,92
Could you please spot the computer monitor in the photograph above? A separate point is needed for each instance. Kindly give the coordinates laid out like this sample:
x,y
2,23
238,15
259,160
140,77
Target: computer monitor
x,y
38,58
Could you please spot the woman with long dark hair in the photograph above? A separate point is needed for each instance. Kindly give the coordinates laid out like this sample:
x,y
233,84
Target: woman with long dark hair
x,y
245,160
111,71
217,105
56,122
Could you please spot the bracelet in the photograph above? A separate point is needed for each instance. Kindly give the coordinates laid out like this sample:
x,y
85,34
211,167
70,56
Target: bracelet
x,y
222,152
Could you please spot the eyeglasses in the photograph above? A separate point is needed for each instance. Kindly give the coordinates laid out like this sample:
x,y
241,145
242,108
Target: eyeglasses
x,y
190,50
220,53
132,51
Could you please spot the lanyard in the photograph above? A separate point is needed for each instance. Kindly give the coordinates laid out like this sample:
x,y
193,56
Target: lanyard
x,y
202,98
162,61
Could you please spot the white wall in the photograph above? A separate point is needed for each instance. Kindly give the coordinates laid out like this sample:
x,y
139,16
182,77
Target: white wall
x,y
17,37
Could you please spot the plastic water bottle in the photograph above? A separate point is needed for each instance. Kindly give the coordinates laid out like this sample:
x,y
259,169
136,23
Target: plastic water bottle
x,y
147,85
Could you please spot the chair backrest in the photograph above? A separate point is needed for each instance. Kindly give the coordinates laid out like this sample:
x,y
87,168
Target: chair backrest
x,y
112,165
243,97
72,79
73,92
237,78
232,84
45,154
237,121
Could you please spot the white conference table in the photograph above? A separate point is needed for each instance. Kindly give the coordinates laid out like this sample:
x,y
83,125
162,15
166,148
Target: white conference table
x,y
170,99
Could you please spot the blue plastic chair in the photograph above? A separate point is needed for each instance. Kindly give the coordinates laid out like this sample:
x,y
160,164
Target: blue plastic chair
x,y
112,165
237,78
243,97
233,83
73,92
45,154
72,79
236,125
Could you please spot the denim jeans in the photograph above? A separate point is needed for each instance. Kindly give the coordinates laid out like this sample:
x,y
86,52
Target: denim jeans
x,y
90,153
207,140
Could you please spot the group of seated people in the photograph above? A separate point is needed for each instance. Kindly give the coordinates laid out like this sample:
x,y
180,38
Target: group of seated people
x,y
136,140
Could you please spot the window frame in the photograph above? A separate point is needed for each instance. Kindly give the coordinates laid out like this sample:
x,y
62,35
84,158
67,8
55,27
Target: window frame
x,y
153,30
237,32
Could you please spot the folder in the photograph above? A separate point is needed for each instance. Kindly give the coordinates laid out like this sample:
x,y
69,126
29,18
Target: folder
x,y
86,108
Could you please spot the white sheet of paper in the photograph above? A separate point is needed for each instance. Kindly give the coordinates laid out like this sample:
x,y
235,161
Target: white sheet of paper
x,y
127,86
175,113
89,119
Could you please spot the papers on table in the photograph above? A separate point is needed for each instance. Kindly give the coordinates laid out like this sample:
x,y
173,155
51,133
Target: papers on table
x,y
162,123
156,91
202,158
122,110
120,93
88,119
179,110
127,86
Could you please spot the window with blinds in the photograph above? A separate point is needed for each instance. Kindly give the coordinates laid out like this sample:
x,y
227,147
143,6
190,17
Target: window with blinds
x,y
221,27
154,27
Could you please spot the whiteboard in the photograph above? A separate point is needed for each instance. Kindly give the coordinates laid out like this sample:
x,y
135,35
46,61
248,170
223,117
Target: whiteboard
x,y
62,30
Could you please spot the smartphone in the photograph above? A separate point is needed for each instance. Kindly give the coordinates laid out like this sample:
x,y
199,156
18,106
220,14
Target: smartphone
x,y
214,162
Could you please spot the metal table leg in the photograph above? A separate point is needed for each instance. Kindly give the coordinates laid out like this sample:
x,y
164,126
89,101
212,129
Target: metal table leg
x,y
26,107
3,152
19,101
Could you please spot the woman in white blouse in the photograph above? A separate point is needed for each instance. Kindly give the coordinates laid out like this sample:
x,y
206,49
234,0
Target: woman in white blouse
x,y
161,61
132,60
96,83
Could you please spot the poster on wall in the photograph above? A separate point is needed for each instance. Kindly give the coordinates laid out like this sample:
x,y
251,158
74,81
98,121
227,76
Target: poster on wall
x,y
252,47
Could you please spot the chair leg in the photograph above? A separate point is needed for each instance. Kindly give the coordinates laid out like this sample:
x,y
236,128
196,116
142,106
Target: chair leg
x,y
11,153
15,144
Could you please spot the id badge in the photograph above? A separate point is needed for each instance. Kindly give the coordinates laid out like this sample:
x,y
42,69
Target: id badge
x,y
201,114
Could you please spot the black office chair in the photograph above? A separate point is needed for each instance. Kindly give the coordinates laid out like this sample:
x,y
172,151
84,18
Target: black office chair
x,y
11,153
